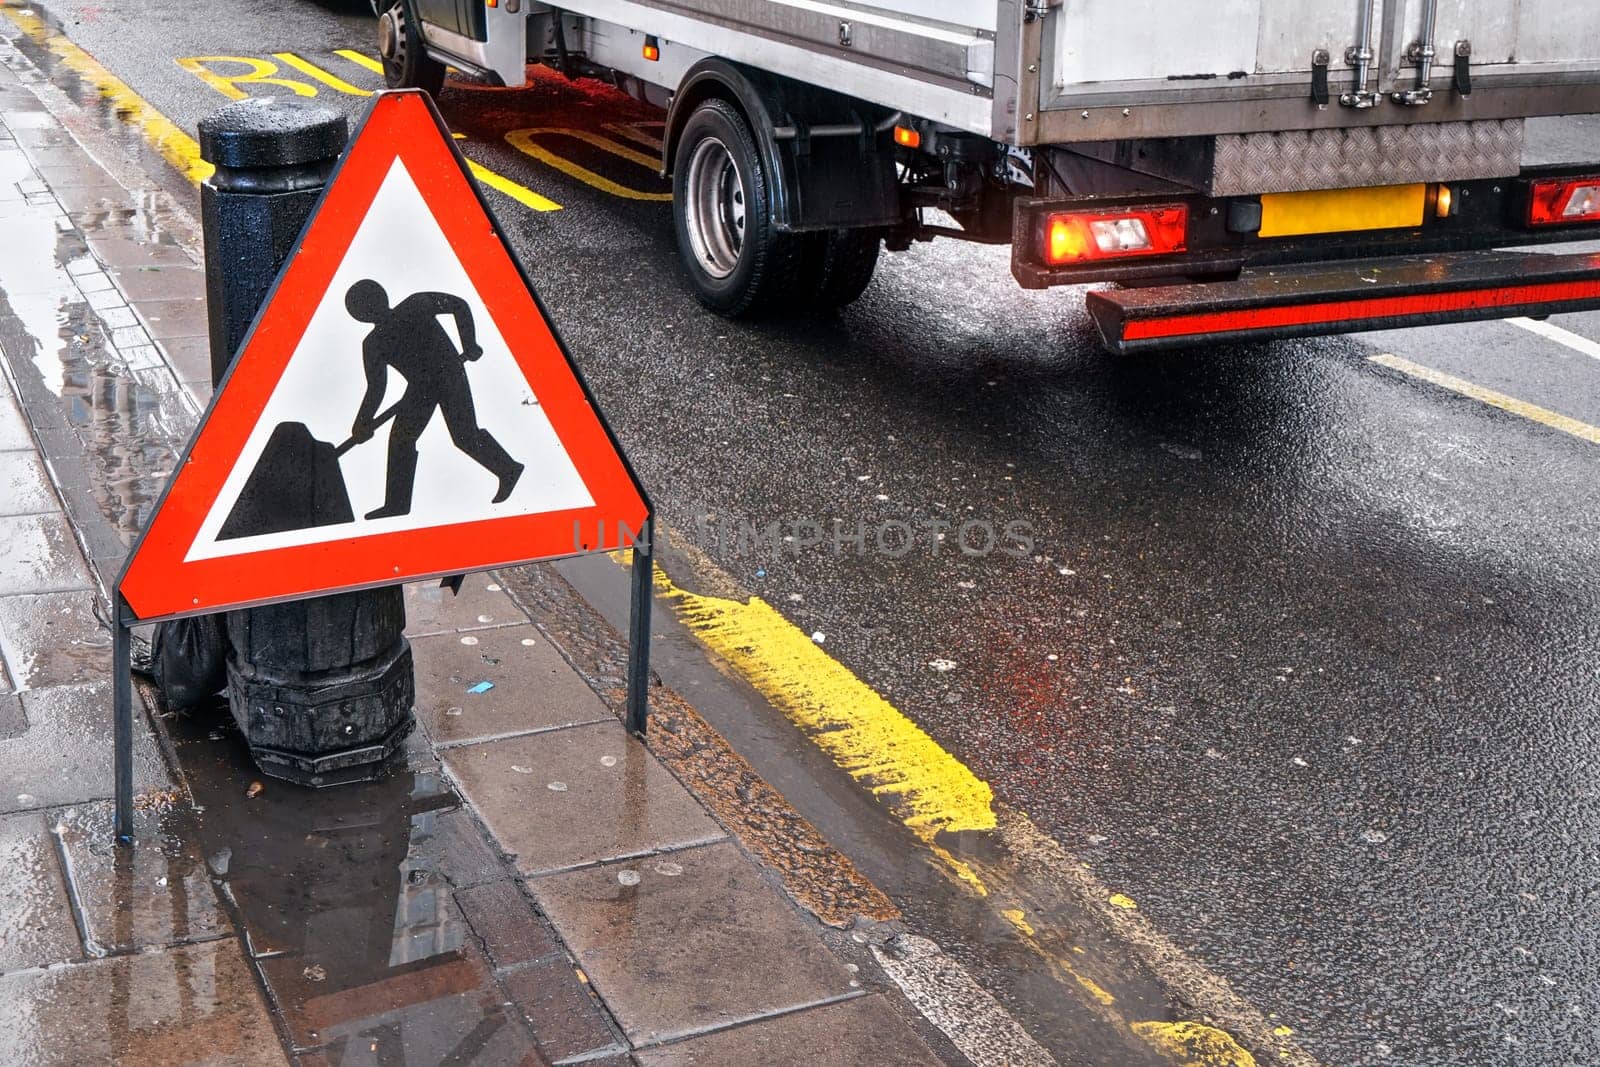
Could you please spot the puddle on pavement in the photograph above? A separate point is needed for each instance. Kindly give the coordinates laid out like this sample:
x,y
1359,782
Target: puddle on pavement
x,y
125,408
346,897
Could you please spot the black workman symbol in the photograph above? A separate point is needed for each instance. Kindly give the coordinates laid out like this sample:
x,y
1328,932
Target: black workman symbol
x,y
410,338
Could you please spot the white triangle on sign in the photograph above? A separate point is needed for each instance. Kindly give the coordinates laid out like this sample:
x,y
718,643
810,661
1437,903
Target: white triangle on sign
x,y
400,245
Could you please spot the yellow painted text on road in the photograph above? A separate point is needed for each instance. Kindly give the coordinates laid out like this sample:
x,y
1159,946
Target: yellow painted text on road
x,y
359,59
526,141
175,146
255,72
265,72
311,70
1495,399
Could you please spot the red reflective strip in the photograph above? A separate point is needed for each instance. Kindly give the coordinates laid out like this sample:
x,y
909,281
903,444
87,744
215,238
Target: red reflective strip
x,y
1346,310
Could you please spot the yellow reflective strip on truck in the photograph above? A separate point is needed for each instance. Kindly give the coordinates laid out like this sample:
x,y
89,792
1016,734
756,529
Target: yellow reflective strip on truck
x,y
1384,207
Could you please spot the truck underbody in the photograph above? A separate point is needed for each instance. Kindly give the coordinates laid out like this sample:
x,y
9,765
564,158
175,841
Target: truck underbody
x,y
1290,195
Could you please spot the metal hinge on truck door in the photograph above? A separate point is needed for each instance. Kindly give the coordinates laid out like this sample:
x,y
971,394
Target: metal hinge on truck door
x,y
1421,53
1360,56
1034,10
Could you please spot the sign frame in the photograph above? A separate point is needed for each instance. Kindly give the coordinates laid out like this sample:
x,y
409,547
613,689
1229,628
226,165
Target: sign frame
x,y
641,541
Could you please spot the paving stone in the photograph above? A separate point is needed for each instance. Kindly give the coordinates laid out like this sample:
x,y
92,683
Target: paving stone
x,y
54,639
459,850
168,319
124,245
864,1032
722,945
13,723
555,801
158,895
505,921
566,1021
433,609
161,282
40,555
24,486
14,433
190,358
192,1005
64,757
426,1011
533,688
36,926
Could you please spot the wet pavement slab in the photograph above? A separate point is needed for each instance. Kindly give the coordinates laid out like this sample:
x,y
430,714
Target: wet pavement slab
x,y
494,682
864,1032
566,798
157,893
557,1001
41,556
723,946
36,924
24,486
64,756
193,1005
432,608
51,639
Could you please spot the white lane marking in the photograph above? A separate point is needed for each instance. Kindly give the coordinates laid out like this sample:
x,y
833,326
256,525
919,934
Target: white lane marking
x,y
1581,345
946,995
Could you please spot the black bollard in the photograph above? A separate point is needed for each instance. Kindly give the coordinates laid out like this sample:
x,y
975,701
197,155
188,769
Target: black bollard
x,y
322,689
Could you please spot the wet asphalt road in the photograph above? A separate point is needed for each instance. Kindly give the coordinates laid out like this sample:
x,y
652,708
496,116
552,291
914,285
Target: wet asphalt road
x,y
1304,657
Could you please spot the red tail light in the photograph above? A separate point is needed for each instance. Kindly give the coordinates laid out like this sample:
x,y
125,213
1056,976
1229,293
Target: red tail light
x,y
1557,200
1080,236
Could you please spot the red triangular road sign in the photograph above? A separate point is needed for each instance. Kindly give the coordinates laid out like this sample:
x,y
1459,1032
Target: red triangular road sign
x,y
401,409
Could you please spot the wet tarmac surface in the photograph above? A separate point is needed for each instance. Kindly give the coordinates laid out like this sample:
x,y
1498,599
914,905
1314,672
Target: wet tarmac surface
x,y
1302,658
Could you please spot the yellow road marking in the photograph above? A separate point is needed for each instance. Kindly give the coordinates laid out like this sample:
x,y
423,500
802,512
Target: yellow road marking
x,y
1477,392
175,146
257,72
520,193
932,792
360,59
523,141
928,789
262,72
311,70
1194,1044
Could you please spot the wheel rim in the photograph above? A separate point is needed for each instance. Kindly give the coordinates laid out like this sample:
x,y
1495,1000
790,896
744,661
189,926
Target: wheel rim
x,y
714,208
392,43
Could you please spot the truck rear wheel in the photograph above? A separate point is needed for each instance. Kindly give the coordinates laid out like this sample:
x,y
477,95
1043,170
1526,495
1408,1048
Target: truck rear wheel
x,y
721,209
406,63
841,264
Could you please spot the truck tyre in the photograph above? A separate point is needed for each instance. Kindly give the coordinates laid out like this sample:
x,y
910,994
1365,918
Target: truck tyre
x,y
406,63
721,209
841,266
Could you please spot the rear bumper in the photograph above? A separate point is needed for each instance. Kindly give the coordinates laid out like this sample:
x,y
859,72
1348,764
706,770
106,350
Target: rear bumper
x,y
1347,297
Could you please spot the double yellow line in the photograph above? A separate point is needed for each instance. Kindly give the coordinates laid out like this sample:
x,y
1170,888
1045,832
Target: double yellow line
x,y
175,146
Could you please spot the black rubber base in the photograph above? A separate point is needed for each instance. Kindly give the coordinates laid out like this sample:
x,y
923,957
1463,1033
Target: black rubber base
x,y
361,764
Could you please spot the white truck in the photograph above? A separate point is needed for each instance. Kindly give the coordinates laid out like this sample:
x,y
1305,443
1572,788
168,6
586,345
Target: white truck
x,y
1241,168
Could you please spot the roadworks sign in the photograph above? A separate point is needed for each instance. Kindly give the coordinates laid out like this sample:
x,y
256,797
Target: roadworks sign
x,y
402,407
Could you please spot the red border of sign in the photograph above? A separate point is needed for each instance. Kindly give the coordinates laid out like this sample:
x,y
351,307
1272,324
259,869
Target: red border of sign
x,y
156,582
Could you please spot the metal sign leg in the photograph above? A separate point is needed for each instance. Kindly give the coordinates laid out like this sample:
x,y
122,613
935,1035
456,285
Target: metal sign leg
x,y
122,700
639,630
